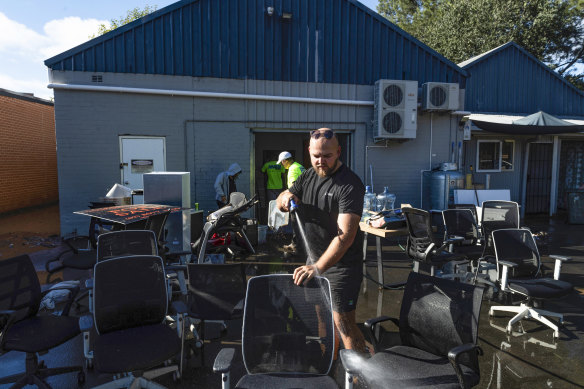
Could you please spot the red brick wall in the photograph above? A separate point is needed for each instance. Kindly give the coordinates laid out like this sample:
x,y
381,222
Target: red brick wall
x,y
28,154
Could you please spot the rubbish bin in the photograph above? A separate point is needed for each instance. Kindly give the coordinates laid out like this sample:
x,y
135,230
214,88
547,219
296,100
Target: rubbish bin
x,y
576,207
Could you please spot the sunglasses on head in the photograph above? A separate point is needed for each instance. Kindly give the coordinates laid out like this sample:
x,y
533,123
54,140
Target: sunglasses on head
x,y
328,134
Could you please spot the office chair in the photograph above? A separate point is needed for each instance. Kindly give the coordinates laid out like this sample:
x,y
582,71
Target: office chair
x,y
519,275
129,312
438,327
462,223
111,245
497,214
215,293
422,247
287,336
23,329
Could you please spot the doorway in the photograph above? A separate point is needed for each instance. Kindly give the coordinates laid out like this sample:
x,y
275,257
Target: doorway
x,y
539,178
269,143
139,155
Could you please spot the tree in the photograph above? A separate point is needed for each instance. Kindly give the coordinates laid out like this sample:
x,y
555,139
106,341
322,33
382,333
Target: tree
x,y
131,15
551,30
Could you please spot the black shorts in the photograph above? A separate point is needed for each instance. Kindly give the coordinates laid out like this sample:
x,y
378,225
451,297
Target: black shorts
x,y
345,286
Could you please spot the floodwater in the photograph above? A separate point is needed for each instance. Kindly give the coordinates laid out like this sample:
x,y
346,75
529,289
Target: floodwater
x,y
528,357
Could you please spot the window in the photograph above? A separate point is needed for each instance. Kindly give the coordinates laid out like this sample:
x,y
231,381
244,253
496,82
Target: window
x,y
495,155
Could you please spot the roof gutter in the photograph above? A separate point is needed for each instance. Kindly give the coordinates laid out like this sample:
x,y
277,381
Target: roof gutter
x,y
216,95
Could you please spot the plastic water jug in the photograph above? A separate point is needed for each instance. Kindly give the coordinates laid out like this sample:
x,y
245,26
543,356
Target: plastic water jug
x,y
369,200
385,200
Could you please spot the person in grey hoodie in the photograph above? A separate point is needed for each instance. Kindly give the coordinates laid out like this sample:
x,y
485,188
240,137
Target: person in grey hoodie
x,y
225,184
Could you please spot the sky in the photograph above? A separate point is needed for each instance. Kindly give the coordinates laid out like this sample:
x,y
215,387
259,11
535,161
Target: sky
x,y
32,31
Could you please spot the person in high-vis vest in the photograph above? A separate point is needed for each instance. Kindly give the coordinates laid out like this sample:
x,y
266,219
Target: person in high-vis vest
x,y
294,171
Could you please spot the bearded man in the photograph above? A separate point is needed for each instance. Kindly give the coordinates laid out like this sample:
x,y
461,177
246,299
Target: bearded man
x,y
330,196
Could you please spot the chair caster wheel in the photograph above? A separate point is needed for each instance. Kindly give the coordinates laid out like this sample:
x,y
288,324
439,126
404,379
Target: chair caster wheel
x,y
80,378
176,376
89,364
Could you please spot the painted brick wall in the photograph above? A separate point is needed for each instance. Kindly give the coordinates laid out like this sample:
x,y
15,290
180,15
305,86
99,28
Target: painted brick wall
x,y
28,155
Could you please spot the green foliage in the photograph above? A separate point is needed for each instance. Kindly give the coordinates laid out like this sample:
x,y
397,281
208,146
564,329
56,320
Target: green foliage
x,y
552,30
131,15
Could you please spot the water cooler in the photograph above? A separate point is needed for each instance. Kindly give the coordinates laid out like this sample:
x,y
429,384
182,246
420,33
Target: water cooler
x,y
172,188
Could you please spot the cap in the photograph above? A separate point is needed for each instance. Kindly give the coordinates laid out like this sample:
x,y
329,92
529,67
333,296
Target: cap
x,y
284,155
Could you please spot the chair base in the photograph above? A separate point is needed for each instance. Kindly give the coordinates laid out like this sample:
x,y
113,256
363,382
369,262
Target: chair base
x,y
36,373
525,311
132,382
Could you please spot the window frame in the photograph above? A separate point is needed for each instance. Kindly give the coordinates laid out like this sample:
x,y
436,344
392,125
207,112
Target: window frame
x,y
481,141
512,141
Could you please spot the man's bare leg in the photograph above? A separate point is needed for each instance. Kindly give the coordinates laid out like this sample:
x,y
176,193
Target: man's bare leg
x,y
351,335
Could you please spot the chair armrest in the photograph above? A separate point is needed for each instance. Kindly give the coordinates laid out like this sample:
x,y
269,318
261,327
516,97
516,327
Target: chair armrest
x,y
370,328
558,264
455,353
85,323
507,263
352,361
505,273
223,360
7,317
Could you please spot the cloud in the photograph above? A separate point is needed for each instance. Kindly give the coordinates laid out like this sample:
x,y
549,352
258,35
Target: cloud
x,y
24,50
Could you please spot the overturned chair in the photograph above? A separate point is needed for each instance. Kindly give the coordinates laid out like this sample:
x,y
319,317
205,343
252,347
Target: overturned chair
x,y
287,337
226,219
438,327
519,274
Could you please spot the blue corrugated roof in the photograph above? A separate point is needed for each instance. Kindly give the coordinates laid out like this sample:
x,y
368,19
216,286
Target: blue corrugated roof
x,y
508,79
333,41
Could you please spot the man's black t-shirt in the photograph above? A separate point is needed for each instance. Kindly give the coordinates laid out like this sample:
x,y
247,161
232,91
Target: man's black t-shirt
x,y
323,199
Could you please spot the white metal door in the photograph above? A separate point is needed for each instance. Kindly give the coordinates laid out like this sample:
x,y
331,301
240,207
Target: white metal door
x,y
140,155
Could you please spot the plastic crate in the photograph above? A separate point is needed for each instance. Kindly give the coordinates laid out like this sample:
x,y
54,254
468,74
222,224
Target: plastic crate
x,y
576,207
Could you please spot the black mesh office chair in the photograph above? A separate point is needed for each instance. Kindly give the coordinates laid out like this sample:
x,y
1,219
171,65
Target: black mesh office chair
x,y
215,293
111,245
438,327
288,335
422,247
462,223
23,329
519,274
129,310
128,242
496,215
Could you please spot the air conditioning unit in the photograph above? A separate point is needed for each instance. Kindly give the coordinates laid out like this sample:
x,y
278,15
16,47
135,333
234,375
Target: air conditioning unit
x,y
396,109
440,96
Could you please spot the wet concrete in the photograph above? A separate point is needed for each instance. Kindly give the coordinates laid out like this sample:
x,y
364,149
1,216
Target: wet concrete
x,y
527,358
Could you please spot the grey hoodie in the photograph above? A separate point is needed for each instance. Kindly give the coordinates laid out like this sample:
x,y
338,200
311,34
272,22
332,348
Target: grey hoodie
x,y
222,181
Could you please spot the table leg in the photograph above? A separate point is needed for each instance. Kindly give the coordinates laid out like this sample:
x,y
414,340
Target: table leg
x,y
379,262
364,262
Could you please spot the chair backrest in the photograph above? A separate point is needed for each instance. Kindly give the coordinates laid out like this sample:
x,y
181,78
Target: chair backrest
x,y
20,289
128,242
497,214
518,246
460,222
129,292
470,207
216,290
287,328
438,314
156,224
420,232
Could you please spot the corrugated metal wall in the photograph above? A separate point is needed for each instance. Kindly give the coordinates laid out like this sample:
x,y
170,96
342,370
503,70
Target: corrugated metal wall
x,y
332,41
510,80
